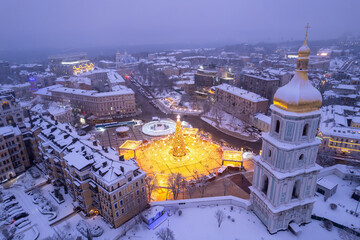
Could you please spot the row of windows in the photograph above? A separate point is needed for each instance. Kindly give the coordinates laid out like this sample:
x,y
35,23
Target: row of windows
x,y
304,132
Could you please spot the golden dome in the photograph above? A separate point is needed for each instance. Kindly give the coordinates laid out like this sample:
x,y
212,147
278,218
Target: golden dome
x,y
299,95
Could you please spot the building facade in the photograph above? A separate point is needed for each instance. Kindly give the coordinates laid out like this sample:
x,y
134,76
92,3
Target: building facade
x,y
285,175
239,102
11,113
13,155
264,85
91,102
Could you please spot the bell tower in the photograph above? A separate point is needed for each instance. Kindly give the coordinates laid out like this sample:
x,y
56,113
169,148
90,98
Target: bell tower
x,y
285,174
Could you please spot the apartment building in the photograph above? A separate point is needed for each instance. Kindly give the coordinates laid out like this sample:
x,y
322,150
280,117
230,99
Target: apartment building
x,y
239,102
260,83
87,102
97,179
13,154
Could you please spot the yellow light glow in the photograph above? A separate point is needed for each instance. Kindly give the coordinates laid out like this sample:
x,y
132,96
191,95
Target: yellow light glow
x,y
277,103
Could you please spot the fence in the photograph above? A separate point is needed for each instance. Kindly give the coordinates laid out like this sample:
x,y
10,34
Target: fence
x,y
208,201
338,225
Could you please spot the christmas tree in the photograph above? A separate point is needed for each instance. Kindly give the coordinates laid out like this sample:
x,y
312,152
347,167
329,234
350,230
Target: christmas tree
x,y
178,149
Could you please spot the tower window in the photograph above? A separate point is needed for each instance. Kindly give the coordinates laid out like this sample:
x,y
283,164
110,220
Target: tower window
x,y
277,128
269,153
305,130
265,185
296,190
301,157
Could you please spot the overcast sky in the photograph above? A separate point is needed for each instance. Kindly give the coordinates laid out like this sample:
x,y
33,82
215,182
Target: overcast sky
x,y
39,24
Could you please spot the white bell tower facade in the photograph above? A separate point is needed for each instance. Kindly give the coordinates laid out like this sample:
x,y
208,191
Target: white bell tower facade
x,y
285,174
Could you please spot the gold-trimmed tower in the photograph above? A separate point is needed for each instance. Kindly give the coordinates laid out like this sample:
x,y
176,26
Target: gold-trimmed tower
x,y
299,95
285,175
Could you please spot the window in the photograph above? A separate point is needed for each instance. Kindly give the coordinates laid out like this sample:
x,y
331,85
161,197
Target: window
x,y
114,197
137,192
122,210
121,202
296,190
305,130
265,185
143,189
301,157
269,153
117,213
115,205
137,184
277,128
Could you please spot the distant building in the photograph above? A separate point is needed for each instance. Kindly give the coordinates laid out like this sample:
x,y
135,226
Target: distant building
x,y
91,102
339,130
260,83
239,102
70,64
11,112
206,78
4,71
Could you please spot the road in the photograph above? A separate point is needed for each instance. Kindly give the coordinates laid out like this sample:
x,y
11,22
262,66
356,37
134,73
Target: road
x,y
148,111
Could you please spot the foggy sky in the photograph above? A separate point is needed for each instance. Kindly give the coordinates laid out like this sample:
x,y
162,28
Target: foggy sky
x,y
40,24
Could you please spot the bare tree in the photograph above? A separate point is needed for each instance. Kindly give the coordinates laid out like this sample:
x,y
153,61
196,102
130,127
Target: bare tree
x,y
150,186
226,183
325,158
165,234
190,189
174,183
202,184
347,234
219,215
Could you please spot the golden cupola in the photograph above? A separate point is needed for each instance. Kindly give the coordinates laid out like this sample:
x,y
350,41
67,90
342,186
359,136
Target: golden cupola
x,y
299,95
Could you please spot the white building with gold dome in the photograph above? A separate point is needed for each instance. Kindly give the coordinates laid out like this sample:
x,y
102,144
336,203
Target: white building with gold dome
x,y
285,174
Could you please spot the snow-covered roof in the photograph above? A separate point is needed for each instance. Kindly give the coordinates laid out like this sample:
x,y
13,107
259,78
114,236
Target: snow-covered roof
x,y
241,93
326,183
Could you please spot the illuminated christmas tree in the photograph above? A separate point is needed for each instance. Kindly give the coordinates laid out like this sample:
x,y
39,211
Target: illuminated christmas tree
x,y
178,149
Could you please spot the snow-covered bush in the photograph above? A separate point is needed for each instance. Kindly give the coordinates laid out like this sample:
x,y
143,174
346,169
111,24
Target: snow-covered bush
x,y
333,206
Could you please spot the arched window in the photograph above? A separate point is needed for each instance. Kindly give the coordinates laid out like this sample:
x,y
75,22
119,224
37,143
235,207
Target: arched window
x,y
277,128
305,130
265,185
301,157
296,190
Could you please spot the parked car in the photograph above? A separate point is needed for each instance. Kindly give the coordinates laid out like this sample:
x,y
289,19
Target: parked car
x,y
20,215
20,221
10,205
23,224
9,198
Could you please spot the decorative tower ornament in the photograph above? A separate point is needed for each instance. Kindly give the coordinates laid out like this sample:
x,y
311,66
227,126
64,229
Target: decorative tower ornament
x,y
178,146
285,175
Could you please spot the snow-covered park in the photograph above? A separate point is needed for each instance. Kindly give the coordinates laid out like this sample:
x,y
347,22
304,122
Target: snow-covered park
x,y
238,223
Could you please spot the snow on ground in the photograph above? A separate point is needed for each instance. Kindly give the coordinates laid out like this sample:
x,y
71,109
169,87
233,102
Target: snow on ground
x,y
342,198
157,93
200,223
69,226
225,121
